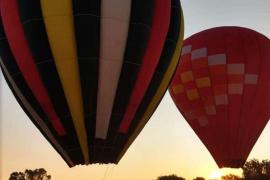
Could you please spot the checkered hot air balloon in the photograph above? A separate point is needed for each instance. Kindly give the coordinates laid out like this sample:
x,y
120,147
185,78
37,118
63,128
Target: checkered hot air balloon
x,y
90,73
222,88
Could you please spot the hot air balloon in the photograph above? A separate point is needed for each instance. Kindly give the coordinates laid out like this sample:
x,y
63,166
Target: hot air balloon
x,y
89,74
222,87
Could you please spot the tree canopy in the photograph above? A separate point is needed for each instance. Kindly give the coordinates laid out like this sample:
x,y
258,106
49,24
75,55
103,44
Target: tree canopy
x,y
170,177
37,174
256,170
252,170
199,178
231,177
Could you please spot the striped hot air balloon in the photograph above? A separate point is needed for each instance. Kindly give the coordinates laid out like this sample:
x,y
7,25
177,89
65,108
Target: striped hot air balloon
x,y
90,73
222,88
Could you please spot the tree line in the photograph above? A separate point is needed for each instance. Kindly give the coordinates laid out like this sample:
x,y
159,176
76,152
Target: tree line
x,y
37,174
252,170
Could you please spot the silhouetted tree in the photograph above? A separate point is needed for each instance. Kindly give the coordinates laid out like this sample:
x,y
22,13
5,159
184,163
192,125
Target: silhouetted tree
x,y
199,178
266,168
17,176
37,174
170,177
231,177
256,170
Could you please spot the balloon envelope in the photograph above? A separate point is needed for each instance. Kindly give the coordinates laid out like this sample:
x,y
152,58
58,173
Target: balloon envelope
x,y
90,74
222,87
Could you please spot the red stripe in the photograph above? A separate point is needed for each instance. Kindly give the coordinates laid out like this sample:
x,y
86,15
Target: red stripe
x,y
160,27
18,44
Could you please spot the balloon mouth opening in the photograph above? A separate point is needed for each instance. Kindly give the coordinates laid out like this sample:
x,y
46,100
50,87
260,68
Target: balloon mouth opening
x,y
234,163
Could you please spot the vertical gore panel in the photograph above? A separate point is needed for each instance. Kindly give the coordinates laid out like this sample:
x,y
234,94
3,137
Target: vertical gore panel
x,y
253,51
157,88
24,59
35,33
113,34
139,32
159,30
27,101
235,56
260,113
87,28
58,17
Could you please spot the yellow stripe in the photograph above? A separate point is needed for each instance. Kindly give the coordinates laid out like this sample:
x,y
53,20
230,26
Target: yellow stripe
x,y
160,92
58,17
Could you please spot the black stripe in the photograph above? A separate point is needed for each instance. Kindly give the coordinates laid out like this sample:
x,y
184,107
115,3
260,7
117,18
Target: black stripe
x,y
138,36
30,115
165,60
87,29
35,33
10,64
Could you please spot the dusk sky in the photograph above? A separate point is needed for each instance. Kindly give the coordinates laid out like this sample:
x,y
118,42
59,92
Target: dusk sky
x,y
167,145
